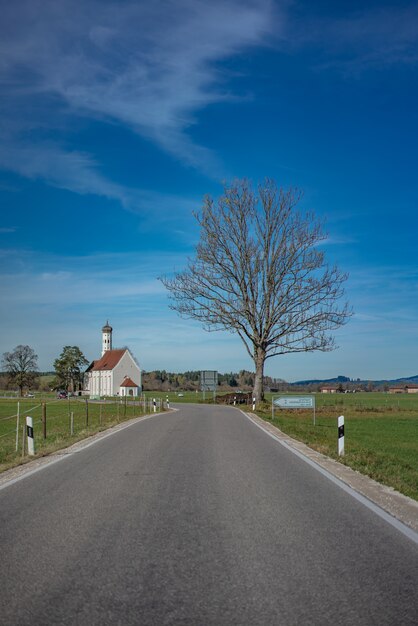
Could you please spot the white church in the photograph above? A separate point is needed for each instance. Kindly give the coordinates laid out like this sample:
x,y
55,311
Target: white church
x,y
116,373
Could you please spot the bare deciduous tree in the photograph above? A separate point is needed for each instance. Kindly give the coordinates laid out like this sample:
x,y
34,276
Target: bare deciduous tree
x,y
258,272
21,365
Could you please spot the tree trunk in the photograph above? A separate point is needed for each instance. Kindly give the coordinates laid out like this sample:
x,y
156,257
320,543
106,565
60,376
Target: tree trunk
x,y
259,359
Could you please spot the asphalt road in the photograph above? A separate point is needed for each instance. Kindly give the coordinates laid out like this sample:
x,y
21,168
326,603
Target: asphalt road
x,y
197,517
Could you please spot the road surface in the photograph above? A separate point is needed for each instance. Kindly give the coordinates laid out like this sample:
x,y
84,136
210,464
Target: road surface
x,y
197,517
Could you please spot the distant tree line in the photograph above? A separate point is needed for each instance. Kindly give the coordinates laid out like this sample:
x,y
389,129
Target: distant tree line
x,y
161,380
20,372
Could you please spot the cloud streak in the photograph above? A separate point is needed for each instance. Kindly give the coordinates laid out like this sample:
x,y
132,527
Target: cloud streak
x,y
147,66
79,173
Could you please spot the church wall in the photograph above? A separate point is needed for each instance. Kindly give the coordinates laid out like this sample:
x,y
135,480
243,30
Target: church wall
x,y
100,383
126,367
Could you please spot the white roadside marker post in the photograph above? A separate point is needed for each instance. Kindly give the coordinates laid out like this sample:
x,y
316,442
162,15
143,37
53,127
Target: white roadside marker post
x,y
341,435
23,440
29,433
154,404
253,404
17,426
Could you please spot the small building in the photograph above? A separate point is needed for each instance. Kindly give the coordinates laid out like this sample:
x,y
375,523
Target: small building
x,y
397,389
328,389
116,373
411,388
128,387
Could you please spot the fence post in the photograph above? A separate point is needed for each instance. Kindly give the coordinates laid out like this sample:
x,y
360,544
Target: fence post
x,y
44,419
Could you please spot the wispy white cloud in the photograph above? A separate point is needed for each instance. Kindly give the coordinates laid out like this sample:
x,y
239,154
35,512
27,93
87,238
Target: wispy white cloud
x,y
148,66
385,302
338,240
74,171
80,173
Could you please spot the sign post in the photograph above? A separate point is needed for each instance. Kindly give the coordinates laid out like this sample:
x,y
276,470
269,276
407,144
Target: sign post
x,y
294,402
209,381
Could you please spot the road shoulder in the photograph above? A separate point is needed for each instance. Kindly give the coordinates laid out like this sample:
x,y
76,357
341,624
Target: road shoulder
x,y
394,503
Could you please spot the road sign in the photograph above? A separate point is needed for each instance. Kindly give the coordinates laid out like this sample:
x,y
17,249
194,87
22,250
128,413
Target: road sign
x,y
208,380
295,402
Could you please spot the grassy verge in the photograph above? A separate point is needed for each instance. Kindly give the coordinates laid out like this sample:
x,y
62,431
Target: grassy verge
x,y
381,442
67,421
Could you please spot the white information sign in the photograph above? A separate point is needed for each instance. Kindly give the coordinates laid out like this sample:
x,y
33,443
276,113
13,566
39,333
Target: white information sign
x,y
295,402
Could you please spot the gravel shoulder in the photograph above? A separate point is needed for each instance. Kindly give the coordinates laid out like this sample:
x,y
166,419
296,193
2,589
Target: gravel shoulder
x,y
396,504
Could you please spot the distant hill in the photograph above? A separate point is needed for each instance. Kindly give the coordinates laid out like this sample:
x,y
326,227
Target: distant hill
x,y
410,379
325,381
345,379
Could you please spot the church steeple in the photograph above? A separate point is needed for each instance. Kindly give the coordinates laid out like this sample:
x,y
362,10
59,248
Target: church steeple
x,y
106,338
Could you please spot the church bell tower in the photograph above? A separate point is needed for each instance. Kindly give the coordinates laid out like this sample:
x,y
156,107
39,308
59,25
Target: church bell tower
x,y
106,338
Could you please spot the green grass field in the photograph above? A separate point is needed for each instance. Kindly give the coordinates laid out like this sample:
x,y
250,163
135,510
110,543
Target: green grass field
x,y
99,416
381,434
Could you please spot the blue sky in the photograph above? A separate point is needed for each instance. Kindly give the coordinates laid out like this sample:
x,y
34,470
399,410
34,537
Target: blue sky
x,y
118,117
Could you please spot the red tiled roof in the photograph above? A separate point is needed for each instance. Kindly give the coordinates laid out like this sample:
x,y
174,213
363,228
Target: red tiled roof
x,y
128,382
108,361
